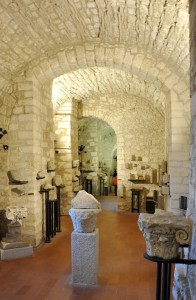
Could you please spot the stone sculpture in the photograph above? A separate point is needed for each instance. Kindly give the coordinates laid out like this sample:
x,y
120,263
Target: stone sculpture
x,y
77,188
57,180
12,246
16,214
51,166
78,173
40,175
12,175
52,195
47,186
19,192
76,163
164,232
84,211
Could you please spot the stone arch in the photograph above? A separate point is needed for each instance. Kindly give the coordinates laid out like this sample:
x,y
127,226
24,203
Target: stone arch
x,y
140,64
90,82
35,85
120,141
100,139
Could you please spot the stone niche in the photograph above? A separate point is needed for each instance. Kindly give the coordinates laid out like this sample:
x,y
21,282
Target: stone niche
x,y
164,232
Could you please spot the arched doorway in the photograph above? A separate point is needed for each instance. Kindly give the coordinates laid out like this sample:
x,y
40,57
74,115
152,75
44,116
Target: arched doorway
x,y
96,161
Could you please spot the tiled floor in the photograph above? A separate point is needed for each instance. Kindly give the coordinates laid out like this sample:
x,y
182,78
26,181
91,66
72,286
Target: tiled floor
x,y
123,272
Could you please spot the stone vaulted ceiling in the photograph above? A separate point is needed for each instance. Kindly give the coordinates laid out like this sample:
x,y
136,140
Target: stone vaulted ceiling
x,y
95,82
34,30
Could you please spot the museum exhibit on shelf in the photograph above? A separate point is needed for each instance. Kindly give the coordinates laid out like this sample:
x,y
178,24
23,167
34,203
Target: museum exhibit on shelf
x,y
98,149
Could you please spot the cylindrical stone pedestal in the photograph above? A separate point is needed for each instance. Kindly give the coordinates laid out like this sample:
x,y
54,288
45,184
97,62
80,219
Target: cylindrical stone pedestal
x,y
85,257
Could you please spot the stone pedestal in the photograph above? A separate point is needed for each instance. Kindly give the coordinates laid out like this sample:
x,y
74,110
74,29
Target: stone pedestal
x,y
9,254
181,288
85,257
12,247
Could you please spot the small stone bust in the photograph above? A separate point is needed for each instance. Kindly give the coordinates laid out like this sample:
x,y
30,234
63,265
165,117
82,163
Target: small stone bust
x,y
57,180
84,211
51,165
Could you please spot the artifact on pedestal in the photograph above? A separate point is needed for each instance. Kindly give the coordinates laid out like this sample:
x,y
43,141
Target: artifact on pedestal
x,y
40,175
16,214
51,166
84,211
12,246
12,177
57,181
19,192
164,232
85,238
46,187
76,163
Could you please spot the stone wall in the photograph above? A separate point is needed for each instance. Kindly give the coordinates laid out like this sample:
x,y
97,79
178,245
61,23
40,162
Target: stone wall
x,y
177,147
192,190
31,144
7,102
89,157
66,148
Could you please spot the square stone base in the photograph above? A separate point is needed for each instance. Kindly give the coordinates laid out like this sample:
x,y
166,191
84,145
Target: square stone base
x,y
9,254
85,257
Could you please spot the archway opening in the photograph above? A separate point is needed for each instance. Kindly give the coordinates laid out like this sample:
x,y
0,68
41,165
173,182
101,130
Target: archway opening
x,y
97,158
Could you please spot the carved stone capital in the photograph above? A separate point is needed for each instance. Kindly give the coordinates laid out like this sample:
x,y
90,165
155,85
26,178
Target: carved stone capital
x,y
84,211
163,233
16,213
84,220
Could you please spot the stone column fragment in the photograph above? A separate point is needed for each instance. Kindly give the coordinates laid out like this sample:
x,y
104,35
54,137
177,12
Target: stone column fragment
x,y
164,232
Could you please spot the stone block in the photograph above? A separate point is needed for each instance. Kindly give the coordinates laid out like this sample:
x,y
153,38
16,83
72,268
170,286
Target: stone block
x,y
13,245
9,254
85,257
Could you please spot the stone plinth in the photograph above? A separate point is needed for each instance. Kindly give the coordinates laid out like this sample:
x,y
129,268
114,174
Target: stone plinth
x,y
180,288
163,233
85,257
9,254
11,246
